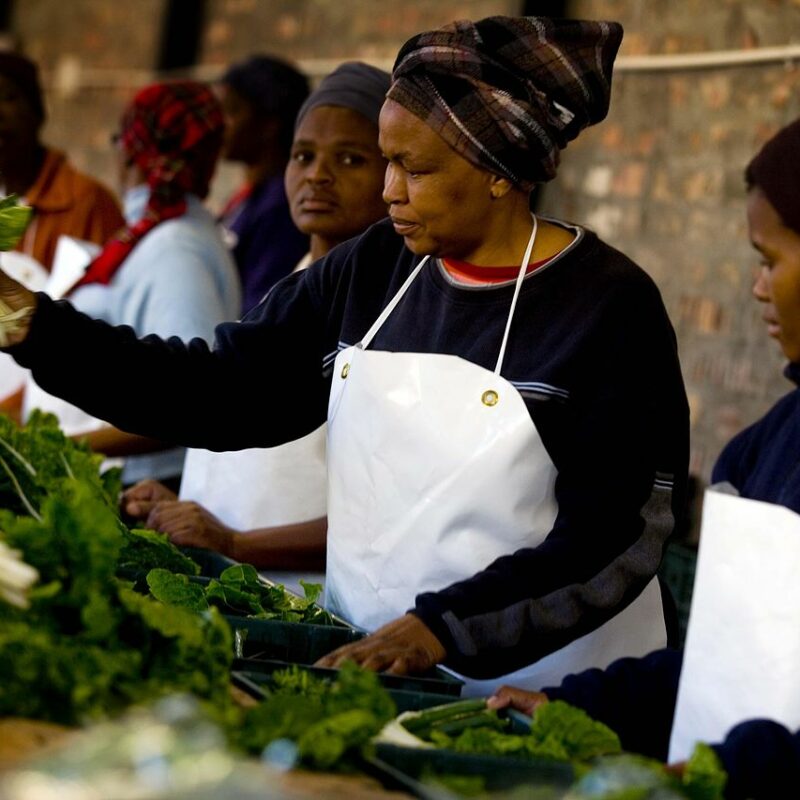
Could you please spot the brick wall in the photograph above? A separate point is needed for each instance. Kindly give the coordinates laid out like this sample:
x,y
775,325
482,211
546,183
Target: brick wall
x,y
660,178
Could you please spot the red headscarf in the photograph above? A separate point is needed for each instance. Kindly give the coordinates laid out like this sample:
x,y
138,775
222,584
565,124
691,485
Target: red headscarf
x,y
173,133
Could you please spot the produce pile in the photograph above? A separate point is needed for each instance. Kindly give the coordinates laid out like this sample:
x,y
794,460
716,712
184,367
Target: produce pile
x,y
80,643
564,733
326,720
239,591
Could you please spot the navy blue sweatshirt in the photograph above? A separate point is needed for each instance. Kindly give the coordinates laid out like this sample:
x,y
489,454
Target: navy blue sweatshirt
x,y
636,697
591,351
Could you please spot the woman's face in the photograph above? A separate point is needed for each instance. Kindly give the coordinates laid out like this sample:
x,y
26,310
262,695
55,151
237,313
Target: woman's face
x,y
246,132
437,200
777,284
334,177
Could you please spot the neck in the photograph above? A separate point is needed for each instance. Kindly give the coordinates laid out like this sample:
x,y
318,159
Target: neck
x,y
20,172
321,247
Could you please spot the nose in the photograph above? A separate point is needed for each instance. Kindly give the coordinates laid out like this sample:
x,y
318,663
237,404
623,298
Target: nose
x,y
761,285
394,190
319,171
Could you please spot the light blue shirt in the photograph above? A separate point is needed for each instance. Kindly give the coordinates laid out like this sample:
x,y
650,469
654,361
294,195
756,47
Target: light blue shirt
x,y
179,280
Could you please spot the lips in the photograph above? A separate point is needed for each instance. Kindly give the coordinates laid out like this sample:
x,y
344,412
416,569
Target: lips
x,y
317,204
404,227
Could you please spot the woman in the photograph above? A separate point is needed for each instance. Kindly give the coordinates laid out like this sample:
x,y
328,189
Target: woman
x,y
167,273
522,517
267,506
637,697
260,99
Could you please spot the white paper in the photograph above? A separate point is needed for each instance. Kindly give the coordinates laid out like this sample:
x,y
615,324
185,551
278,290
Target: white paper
x,y
70,261
25,269
742,652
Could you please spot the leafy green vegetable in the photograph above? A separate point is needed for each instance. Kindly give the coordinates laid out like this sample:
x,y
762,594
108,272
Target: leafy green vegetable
x,y
240,591
14,218
558,731
144,550
176,590
560,727
327,720
704,778
632,777
88,645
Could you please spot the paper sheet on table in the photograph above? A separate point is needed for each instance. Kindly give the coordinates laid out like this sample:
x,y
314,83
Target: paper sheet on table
x,y
742,653
71,258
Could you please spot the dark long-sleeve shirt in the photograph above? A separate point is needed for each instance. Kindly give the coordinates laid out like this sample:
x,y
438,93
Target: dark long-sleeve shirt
x,y
591,351
636,698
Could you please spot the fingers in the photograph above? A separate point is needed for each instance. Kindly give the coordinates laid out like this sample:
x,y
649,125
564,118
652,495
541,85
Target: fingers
x,y
519,699
139,500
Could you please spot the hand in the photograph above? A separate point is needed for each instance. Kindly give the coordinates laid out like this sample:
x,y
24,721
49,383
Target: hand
x,y
519,699
139,500
17,305
188,524
403,646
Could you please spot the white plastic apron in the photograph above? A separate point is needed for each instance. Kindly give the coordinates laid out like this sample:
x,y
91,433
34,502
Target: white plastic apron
x,y
742,651
435,469
260,487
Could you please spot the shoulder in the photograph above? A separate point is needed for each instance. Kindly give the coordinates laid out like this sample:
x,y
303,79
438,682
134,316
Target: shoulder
x,y
83,186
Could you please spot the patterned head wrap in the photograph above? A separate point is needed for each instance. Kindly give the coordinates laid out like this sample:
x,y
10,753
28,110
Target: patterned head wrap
x,y
508,93
173,133
776,171
354,85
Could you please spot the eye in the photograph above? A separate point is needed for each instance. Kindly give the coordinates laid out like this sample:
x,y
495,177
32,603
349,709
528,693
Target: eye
x,y
351,159
302,156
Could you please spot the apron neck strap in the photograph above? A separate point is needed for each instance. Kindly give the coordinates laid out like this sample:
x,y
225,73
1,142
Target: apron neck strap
x,y
523,268
368,336
376,326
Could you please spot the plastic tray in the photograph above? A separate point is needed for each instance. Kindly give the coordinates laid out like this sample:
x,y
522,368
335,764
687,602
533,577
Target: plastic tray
x,y
677,569
256,683
294,642
437,683
408,768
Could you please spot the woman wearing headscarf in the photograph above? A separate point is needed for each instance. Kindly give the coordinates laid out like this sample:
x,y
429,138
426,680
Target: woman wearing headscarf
x,y
261,96
637,697
167,271
507,425
267,506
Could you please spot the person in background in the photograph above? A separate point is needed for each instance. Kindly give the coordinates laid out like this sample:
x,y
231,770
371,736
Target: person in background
x,y
267,506
167,272
261,97
64,201
637,697
504,457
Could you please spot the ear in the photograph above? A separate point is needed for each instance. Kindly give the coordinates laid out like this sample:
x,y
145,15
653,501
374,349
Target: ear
x,y
499,187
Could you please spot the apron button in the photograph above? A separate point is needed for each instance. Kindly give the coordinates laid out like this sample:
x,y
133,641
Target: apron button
x,y
490,397
345,370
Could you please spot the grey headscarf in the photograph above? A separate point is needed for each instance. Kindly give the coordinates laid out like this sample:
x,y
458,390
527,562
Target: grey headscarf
x,y
354,85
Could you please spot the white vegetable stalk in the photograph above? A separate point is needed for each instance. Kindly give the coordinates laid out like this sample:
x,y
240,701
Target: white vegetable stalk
x,y
16,577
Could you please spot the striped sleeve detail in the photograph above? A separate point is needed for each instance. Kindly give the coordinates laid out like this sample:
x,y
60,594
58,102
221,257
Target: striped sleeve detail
x,y
536,388
561,611
327,361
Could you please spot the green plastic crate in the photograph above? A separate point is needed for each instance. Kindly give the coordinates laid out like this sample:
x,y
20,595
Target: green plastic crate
x,y
256,685
406,768
436,682
678,570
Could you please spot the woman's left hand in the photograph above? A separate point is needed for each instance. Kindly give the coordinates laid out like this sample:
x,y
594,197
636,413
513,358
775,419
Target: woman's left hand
x,y
403,646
